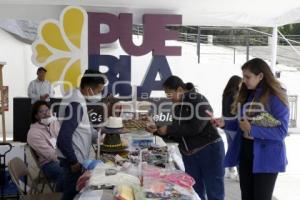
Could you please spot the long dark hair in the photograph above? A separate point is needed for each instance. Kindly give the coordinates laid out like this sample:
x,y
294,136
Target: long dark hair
x,y
35,109
174,82
269,84
230,94
232,86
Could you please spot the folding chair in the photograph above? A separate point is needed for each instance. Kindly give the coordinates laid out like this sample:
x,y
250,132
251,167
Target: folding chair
x,y
42,178
18,170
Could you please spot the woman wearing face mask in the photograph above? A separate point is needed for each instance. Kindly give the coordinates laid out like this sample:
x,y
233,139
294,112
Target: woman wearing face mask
x,y
200,144
258,149
41,138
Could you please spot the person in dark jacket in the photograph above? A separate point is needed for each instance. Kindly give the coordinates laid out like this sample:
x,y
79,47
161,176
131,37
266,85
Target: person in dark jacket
x,y
200,144
259,149
229,94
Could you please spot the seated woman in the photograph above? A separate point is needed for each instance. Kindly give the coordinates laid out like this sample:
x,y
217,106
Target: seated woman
x,y
41,138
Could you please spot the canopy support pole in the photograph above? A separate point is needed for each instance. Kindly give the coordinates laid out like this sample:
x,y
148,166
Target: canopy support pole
x,y
198,43
274,48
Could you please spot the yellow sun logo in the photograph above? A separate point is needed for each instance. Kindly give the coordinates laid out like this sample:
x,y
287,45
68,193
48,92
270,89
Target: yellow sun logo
x,y
61,47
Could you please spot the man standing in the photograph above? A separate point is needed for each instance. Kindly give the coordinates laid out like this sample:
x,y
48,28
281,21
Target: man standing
x,y
76,134
40,89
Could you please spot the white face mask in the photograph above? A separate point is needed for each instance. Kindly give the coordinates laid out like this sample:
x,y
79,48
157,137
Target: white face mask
x,y
48,120
94,98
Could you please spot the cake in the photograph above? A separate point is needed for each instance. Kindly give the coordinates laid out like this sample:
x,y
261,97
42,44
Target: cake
x,y
113,125
112,140
114,122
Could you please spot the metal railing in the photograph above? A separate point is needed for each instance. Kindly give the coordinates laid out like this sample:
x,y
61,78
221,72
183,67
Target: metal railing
x,y
193,38
241,40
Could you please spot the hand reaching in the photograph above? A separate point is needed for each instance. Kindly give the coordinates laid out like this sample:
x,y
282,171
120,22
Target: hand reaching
x,y
217,122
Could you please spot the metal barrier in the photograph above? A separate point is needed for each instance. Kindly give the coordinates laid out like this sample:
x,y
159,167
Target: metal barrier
x,y
293,110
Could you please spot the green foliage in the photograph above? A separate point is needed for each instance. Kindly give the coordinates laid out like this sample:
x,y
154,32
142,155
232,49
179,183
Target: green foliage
x,y
290,29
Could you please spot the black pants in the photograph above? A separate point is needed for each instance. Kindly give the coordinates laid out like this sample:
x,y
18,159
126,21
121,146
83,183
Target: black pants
x,y
254,186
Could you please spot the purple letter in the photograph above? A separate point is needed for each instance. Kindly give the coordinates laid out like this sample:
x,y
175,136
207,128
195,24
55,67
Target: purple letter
x,y
126,37
155,25
95,37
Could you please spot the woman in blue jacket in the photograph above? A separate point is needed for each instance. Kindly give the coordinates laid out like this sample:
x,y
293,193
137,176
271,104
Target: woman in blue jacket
x,y
259,150
230,92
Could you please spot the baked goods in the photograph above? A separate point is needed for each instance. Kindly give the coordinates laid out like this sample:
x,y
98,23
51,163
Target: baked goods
x,y
135,124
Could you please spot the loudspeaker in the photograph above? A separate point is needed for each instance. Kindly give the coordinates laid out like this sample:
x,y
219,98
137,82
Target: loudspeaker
x,y
21,118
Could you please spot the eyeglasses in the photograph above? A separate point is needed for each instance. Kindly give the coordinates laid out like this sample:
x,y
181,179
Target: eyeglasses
x,y
44,111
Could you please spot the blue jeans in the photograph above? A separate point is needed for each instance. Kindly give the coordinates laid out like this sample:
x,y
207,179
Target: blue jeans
x,y
70,181
206,167
54,172
229,136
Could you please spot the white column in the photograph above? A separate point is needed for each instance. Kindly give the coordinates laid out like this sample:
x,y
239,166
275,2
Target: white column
x,y
274,48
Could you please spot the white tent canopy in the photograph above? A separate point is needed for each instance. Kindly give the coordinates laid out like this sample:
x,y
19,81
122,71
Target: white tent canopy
x,y
268,13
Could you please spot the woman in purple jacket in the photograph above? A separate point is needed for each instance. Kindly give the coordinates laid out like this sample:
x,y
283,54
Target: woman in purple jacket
x,y
258,149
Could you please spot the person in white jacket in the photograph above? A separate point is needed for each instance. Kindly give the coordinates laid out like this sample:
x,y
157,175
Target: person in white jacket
x,y
40,89
42,137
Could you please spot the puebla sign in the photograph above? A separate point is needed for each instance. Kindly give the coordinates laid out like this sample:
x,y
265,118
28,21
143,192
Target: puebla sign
x,y
73,43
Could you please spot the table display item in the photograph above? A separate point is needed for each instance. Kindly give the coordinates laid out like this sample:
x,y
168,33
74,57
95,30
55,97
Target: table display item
x,y
98,179
112,141
157,156
135,114
162,190
141,139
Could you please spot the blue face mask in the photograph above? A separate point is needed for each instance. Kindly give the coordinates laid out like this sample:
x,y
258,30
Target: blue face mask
x,y
94,98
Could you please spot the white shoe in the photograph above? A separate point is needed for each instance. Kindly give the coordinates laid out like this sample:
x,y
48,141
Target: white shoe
x,y
226,175
230,173
234,176
237,178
